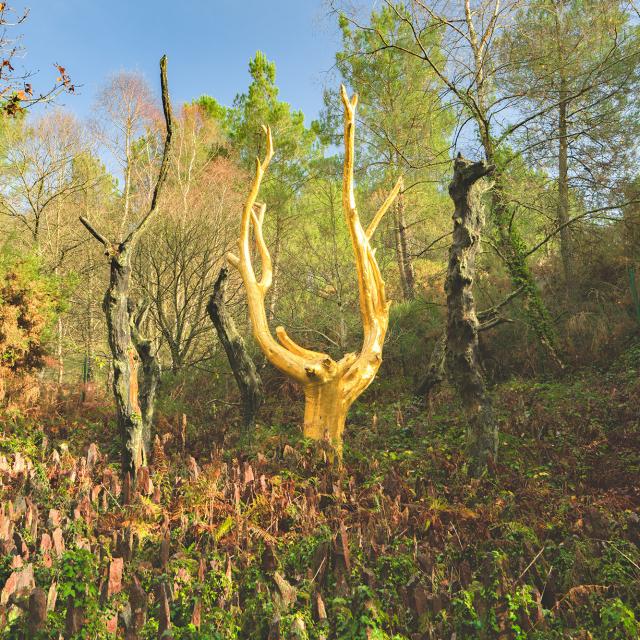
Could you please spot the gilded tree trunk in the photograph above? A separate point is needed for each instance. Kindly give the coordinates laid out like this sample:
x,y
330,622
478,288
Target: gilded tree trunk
x,y
242,365
325,412
463,357
125,361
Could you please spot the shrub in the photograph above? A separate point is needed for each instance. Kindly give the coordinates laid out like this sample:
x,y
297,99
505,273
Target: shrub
x,y
29,303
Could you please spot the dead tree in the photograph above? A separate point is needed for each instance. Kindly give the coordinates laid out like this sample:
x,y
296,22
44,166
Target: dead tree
x,y
116,308
149,376
330,387
242,365
462,353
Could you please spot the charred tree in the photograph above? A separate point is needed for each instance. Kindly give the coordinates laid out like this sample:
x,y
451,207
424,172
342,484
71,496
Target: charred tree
x,y
242,365
116,308
463,363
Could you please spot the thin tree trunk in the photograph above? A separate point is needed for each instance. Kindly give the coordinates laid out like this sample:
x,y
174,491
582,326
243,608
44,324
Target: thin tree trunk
x,y
89,345
275,274
513,253
407,275
88,354
462,353
87,374
243,368
399,250
563,188
59,349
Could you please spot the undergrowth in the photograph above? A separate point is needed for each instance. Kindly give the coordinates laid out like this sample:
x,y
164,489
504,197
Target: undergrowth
x,y
265,538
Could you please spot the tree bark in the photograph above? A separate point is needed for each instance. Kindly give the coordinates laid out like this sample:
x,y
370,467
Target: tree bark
x,y
462,353
242,365
399,252
436,370
125,360
148,381
87,369
325,412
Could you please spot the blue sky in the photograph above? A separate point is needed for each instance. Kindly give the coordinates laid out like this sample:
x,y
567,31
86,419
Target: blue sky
x,y
209,44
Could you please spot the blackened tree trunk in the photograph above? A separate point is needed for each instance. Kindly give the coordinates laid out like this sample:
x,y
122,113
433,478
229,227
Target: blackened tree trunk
x,y
243,368
462,353
148,381
125,359
116,308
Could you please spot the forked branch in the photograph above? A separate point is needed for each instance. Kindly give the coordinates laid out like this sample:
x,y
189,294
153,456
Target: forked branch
x,y
330,387
289,362
374,307
162,174
164,164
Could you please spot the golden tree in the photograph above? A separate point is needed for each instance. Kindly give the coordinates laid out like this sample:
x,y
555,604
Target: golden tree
x,y
330,387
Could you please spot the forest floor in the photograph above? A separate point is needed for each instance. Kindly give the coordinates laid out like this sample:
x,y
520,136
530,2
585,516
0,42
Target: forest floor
x,y
266,539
